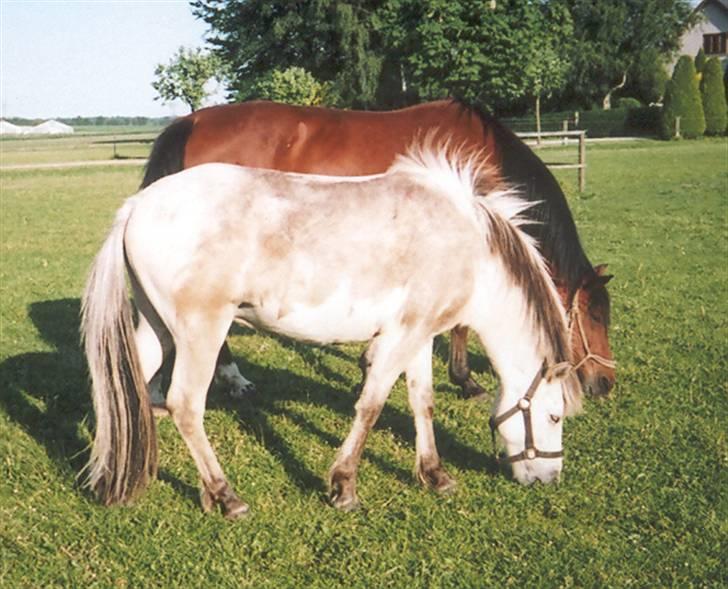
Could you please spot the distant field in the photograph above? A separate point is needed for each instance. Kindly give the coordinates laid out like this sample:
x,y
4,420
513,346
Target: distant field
x,y
642,502
101,144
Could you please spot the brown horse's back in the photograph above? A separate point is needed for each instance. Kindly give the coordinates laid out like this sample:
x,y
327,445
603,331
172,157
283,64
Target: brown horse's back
x,y
324,141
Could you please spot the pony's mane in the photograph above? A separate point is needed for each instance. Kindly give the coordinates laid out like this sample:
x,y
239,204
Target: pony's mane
x,y
458,173
552,223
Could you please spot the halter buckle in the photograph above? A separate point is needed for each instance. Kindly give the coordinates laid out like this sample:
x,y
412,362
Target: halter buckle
x,y
530,453
524,403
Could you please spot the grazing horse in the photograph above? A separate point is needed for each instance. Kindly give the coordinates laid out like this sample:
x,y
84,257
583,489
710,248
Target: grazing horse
x,y
353,143
322,259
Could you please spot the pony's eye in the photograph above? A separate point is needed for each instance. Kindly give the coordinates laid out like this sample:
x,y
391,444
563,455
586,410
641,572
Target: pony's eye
x,y
555,418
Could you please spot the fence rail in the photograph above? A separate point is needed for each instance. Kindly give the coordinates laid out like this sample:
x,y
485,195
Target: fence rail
x,y
564,135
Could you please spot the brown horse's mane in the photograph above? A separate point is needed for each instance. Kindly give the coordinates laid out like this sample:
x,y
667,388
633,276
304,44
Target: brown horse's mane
x,y
553,225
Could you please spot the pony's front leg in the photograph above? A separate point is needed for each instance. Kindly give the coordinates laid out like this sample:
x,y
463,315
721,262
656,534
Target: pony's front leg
x,y
428,468
458,368
381,367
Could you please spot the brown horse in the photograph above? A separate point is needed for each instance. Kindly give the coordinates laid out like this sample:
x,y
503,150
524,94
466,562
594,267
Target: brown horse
x,y
349,143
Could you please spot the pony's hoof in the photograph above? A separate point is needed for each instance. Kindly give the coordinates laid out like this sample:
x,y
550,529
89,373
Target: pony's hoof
x,y
343,493
236,509
437,479
207,501
345,503
446,486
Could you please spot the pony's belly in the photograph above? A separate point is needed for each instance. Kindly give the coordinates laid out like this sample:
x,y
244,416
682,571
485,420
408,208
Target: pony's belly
x,y
337,319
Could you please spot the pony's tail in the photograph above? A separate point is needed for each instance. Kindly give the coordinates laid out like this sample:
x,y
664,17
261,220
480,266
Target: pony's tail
x,y
168,152
124,454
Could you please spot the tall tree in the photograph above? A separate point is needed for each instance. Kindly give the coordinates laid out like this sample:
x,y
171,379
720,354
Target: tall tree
x,y
185,76
333,40
682,99
714,99
388,52
492,54
611,38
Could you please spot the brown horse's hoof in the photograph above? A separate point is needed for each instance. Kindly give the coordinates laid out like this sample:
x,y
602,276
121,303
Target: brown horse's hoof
x,y
473,391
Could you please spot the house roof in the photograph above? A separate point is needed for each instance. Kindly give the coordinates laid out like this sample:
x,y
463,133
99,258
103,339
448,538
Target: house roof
x,y
722,3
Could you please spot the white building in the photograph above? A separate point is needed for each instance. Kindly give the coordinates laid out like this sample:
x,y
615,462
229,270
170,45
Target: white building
x,y
710,34
51,128
46,128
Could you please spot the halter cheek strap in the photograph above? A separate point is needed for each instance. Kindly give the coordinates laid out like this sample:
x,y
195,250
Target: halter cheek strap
x,y
523,405
575,316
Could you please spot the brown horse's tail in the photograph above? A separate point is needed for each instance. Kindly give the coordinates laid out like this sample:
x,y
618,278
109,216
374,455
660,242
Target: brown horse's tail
x,y
124,454
168,151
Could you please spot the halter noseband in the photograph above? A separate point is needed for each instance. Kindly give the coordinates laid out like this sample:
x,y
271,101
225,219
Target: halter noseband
x,y
575,316
524,406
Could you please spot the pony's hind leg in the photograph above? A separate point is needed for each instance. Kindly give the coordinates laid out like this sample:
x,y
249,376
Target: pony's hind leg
x,y
197,342
428,468
154,343
458,368
383,362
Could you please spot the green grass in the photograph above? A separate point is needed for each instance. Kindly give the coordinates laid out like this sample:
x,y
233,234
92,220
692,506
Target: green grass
x,y
642,501
40,149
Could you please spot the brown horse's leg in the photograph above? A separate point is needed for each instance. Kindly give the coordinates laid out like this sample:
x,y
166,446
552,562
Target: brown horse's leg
x,y
458,368
382,365
193,370
228,376
428,467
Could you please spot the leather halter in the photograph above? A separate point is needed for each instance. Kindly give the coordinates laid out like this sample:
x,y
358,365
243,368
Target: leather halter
x,y
523,405
575,316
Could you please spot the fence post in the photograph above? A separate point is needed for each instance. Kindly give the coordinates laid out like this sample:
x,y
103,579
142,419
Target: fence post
x,y
582,161
565,127
677,127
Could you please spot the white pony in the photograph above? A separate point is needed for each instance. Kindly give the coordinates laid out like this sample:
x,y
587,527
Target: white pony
x,y
285,253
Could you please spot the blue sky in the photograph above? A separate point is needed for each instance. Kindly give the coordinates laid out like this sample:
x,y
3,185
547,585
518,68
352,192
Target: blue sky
x,y
61,58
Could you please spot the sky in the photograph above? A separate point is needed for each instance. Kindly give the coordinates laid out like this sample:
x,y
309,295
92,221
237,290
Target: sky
x,y
66,58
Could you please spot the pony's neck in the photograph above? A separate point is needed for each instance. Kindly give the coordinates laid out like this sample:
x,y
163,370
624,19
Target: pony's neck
x,y
505,326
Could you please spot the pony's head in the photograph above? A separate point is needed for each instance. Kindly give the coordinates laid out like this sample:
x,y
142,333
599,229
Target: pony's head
x,y
588,312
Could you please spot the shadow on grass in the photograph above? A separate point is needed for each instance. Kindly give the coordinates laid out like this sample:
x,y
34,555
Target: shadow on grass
x,y
47,394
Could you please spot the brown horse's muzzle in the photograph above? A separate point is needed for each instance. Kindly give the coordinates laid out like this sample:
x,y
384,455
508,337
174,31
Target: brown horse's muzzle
x,y
598,383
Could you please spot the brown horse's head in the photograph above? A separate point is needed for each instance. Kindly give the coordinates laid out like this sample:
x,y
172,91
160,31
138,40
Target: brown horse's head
x,y
588,310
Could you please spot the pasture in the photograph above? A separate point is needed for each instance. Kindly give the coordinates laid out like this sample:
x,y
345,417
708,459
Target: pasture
x,y
642,501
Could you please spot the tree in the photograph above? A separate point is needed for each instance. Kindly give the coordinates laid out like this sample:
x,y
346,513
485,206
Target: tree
x,y
546,69
185,76
611,38
700,61
390,52
293,86
333,40
682,99
468,48
714,99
